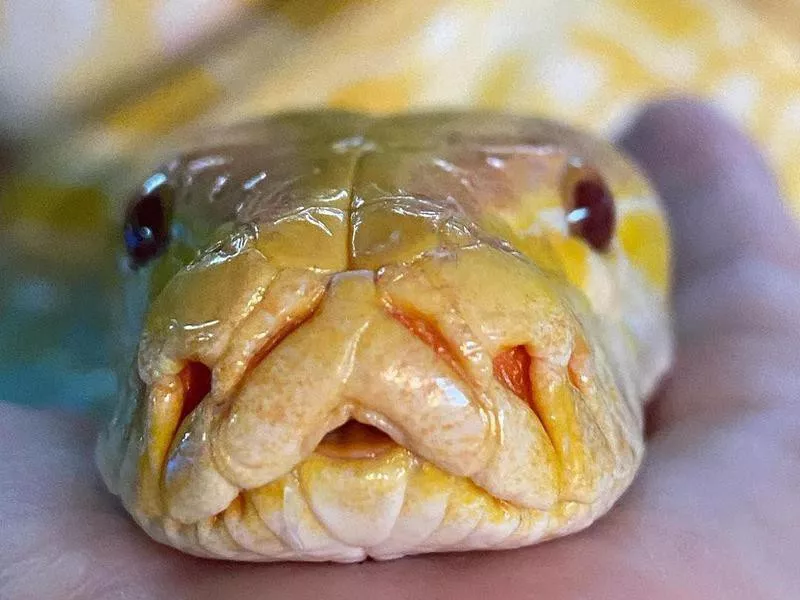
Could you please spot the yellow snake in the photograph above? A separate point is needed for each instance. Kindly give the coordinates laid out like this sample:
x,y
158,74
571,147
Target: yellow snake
x,y
373,337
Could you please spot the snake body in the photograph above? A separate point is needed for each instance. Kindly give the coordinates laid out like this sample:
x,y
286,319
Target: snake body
x,y
373,337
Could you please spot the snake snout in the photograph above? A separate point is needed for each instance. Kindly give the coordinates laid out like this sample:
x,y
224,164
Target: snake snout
x,y
429,358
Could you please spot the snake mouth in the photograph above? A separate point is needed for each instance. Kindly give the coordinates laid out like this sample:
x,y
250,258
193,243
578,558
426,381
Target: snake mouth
x,y
360,439
355,440
351,440
355,396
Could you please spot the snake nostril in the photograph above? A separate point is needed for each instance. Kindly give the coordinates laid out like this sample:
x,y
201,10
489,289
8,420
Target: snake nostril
x,y
513,368
196,380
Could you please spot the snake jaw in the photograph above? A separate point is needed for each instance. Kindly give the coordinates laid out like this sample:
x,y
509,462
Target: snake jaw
x,y
552,444
410,351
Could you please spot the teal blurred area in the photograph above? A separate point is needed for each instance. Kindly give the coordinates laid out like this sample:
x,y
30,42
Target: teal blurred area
x,y
55,341
57,298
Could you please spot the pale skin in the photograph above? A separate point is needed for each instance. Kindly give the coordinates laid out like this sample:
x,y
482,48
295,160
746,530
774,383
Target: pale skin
x,y
714,513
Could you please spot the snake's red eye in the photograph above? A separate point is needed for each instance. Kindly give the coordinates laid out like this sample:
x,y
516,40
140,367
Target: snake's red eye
x,y
591,213
147,222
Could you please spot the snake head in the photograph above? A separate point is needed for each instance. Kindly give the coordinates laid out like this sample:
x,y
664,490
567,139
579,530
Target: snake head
x,y
376,337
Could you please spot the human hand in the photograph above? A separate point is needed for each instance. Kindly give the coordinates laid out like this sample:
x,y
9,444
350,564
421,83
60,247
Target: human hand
x,y
713,514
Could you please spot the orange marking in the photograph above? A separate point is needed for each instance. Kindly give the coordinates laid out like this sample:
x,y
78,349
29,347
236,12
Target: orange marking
x,y
196,380
430,335
513,368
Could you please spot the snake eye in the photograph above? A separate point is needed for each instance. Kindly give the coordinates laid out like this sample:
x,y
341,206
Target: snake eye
x,y
147,222
591,213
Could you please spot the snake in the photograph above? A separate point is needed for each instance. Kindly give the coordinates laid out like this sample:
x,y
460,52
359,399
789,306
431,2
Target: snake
x,y
365,337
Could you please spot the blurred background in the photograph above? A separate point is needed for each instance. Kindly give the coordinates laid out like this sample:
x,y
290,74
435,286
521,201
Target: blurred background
x,y
89,87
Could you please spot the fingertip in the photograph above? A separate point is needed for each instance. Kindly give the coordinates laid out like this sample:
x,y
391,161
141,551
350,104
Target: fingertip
x,y
686,138
719,192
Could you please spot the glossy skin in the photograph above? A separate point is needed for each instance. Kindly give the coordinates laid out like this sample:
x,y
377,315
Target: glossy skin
x,y
713,513
388,272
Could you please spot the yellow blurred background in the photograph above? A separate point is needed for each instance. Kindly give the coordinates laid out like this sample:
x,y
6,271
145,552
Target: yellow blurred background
x,y
89,87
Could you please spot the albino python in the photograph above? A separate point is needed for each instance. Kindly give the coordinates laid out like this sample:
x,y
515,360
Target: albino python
x,y
372,337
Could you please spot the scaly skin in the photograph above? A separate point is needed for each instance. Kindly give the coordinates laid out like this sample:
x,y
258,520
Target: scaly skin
x,y
412,273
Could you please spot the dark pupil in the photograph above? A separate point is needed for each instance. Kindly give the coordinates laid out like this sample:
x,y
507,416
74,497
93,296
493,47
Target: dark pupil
x,y
592,215
146,228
